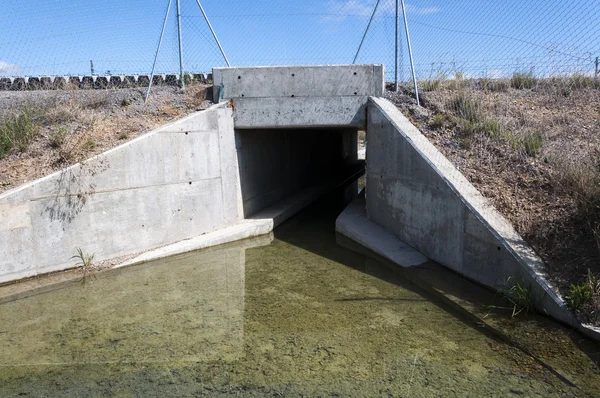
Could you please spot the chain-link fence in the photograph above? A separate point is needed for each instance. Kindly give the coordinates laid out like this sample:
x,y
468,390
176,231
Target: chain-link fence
x,y
475,39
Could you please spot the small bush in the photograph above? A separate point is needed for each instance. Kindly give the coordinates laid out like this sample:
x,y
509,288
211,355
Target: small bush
x,y
578,81
90,144
125,102
431,85
522,81
578,295
16,132
57,137
437,121
466,108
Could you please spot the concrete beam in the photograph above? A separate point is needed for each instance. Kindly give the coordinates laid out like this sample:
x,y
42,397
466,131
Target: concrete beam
x,y
299,81
300,112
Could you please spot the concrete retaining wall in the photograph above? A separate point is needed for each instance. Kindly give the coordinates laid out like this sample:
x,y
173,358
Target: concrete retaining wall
x,y
173,183
414,192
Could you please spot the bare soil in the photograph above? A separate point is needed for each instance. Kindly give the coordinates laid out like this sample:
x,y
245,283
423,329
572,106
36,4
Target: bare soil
x,y
546,186
74,125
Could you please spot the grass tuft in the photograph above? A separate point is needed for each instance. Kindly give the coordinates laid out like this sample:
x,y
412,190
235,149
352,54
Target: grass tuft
x,y
57,137
465,107
16,132
522,81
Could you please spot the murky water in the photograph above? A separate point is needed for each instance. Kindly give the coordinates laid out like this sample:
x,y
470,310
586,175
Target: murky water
x,y
296,316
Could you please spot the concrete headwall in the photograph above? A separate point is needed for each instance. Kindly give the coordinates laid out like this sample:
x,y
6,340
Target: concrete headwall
x,y
171,184
299,96
414,192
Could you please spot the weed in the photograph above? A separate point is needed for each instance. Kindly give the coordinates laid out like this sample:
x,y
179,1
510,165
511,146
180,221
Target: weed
x,y
578,295
125,102
437,121
465,107
57,137
16,132
532,143
523,80
187,78
90,144
431,85
85,264
520,295
5,183
123,135
579,81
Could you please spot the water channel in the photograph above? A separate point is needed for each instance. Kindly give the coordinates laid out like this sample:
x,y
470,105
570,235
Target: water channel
x,y
293,315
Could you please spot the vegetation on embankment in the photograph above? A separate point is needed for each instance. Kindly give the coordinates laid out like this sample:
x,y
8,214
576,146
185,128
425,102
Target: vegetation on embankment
x,y
44,131
531,146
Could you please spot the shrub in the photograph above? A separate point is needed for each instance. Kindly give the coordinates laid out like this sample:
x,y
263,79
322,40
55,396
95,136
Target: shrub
x,y
16,132
523,80
578,295
466,108
125,102
437,121
431,85
57,137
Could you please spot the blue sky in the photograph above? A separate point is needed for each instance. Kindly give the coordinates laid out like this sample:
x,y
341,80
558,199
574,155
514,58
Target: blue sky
x,y
492,38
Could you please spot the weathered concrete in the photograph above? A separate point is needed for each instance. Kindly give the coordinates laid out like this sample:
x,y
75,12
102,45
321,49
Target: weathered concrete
x,y
168,185
414,192
299,96
300,112
300,81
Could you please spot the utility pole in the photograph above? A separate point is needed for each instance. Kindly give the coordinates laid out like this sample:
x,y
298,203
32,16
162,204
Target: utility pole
x,y
412,64
181,77
92,66
396,56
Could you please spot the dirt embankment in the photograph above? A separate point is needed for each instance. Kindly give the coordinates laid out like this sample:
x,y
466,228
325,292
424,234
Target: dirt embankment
x,y
533,150
45,131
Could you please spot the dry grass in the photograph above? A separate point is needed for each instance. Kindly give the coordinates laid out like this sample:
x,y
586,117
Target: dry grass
x,y
73,125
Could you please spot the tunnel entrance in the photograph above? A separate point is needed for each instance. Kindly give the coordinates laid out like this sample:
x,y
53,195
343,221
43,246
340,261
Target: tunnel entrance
x,y
277,163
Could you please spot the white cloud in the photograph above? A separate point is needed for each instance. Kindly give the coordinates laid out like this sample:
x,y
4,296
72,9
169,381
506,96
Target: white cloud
x,y
340,10
7,69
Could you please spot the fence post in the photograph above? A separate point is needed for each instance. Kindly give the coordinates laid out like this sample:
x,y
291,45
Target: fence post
x,y
596,74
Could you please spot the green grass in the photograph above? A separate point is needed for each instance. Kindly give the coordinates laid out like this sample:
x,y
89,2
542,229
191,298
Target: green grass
x,y
85,263
465,107
16,132
57,137
520,295
578,295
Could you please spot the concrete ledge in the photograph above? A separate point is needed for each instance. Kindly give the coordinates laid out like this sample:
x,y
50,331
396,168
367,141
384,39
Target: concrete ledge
x,y
354,225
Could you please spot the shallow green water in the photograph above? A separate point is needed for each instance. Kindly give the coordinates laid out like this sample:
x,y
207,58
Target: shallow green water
x,y
297,316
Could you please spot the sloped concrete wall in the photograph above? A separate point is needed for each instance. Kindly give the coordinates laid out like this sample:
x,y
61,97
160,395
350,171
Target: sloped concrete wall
x,y
414,192
173,183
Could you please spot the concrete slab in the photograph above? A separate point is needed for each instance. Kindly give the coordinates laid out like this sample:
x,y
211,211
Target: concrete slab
x,y
354,225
